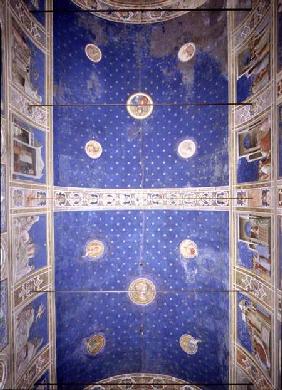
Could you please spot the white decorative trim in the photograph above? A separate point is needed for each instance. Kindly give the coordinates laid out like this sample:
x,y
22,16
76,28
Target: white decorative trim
x,y
123,199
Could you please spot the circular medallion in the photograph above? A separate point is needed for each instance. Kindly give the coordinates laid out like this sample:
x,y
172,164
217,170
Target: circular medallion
x,y
186,148
188,249
95,249
94,344
142,291
3,374
189,344
93,52
139,105
93,149
186,52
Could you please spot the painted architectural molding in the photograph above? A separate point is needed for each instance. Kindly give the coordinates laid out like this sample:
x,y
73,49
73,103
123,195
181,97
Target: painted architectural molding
x,y
253,197
29,23
244,30
251,368
97,199
249,283
28,198
260,103
3,139
21,104
27,290
35,369
151,381
137,17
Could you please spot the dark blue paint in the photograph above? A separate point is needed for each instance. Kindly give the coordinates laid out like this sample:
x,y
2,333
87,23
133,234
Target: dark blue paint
x,y
151,238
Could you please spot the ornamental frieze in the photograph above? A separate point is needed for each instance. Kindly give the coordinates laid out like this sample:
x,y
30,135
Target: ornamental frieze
x,y
27,290
28,198
65,199
28,22
250,23
253,198
247,364
136,17
35,369
249,283
259,103
20,104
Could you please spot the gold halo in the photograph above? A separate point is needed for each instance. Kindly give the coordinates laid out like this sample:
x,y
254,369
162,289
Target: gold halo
x,y
95,249
186,148
93,52
188,249
139,111
95,343
93,149
142,291
186,52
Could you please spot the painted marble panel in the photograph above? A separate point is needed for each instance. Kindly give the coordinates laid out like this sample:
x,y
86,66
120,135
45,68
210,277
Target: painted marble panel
x,y
29,244
253,62
28,152
31,332
254,151
142,244
254,331
4,324
28,65
254,246
4,203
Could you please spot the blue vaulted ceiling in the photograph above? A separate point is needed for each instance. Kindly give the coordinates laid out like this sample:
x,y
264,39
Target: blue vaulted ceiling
x,y
141,154
140,58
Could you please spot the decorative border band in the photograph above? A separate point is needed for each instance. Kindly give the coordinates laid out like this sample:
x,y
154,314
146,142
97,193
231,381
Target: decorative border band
x,y
35,369
28,22
249,283
97,199
24,291
247,364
